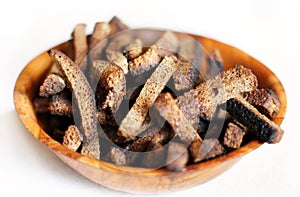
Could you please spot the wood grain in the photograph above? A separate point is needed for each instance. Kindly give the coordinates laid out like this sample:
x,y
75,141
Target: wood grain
x,y
140,180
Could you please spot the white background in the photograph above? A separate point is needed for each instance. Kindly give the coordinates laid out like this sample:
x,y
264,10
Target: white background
x,y
267,30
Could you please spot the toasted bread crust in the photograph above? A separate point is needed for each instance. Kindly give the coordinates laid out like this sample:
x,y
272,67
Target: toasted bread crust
x,y
177,157
168,109
133,49
234,135
84,99
166,45
129,127
265,100
116,25
265,129
187,75
206,149
101,31
117,156
113,81
60,105
97,68
114,50
203,100
80,46
72,138
52,84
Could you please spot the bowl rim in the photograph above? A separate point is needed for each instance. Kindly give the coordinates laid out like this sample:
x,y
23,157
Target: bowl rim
x,y
34,128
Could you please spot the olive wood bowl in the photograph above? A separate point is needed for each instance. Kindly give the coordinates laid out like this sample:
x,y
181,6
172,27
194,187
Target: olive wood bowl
x,y
132,179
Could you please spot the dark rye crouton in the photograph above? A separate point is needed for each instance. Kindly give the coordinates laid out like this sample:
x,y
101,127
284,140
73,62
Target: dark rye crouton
x,y
265,100
116,25
150,137
187,75
160,135
204,99
52,84
97,68
206,149
167,108
130,125
101,31
265,129
117,156
166,45
113,81
114,50
133,49
72,138
234,135
177,157
60,105
85,102
80,44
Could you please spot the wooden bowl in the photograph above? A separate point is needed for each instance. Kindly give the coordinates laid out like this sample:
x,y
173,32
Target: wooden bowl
x,y
131,179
